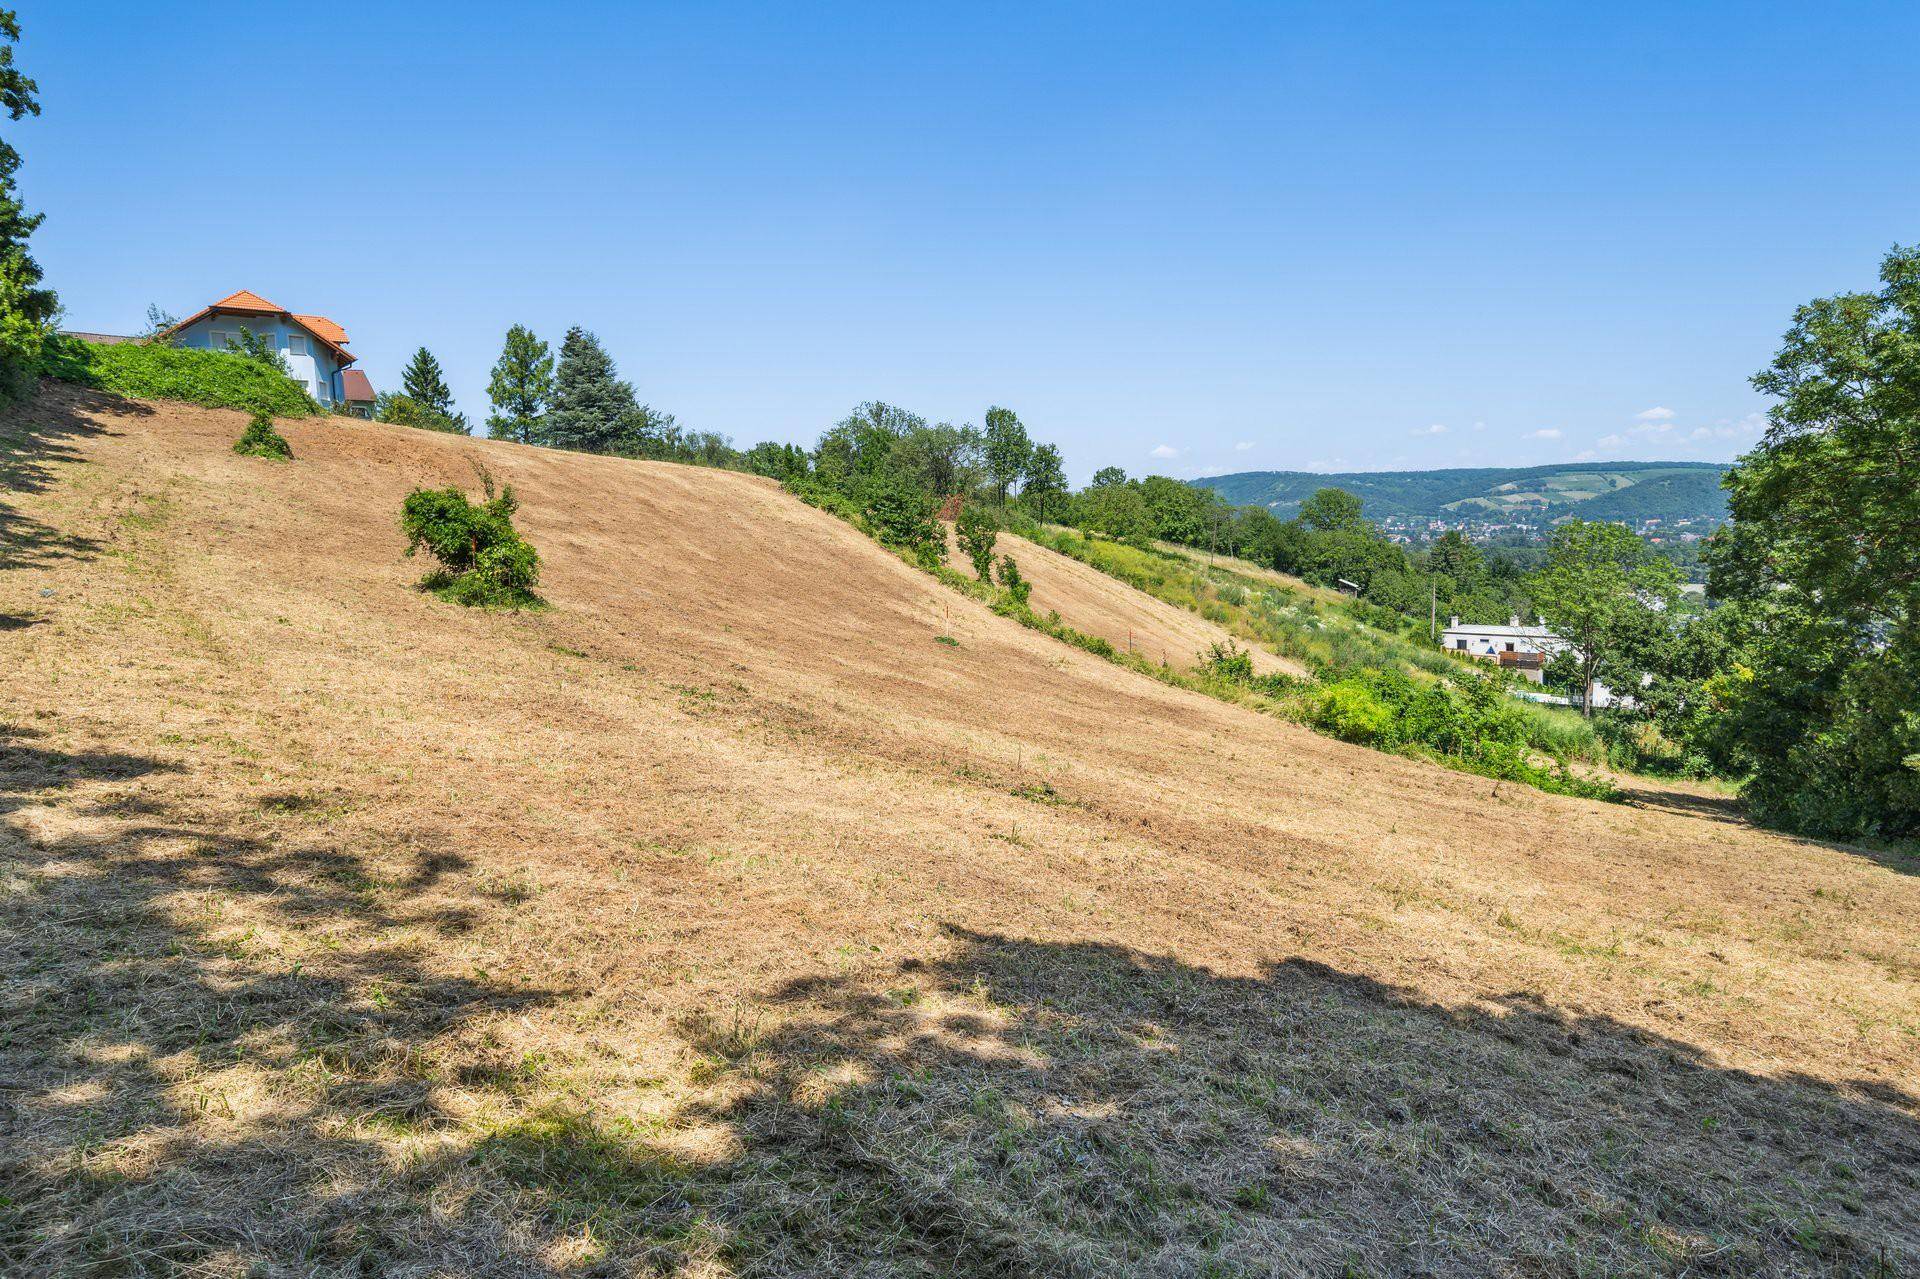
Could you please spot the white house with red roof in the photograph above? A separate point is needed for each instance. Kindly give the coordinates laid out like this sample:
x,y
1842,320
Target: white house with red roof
x,y
315,347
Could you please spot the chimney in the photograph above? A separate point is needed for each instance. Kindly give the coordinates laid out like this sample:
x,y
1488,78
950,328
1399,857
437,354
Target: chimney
x,y
1453,623
1513,619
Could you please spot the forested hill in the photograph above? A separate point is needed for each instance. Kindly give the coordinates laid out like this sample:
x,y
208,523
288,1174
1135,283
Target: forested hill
x,y
1630,491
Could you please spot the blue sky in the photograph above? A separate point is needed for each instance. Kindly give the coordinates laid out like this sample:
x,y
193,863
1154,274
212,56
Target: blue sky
x,y
1185,238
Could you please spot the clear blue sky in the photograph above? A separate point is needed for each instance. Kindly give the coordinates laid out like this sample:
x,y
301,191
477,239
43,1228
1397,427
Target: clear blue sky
x,y
1182,238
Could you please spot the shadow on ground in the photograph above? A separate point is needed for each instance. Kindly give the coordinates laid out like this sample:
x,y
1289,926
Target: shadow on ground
x,y
35,437
1031,1108
178,1095
1902,856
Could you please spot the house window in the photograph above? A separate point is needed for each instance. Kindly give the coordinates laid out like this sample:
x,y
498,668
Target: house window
x,y
1461,645
296,345
220,339
1509,646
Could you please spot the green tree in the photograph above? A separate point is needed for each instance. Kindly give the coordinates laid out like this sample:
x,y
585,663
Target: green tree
x,y
976,532
27,309
1107,477
947,458
1008,450
1453,557
858,447
1823,556
901,513
403,410
1602,589
423,383
1045,482
591,409
259,348
520,387
1331,510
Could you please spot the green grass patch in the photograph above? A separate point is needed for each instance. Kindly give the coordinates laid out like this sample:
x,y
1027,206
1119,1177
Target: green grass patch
x,y
215,379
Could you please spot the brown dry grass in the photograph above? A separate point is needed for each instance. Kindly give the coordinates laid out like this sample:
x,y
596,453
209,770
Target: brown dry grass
x,y
721,921
1096,604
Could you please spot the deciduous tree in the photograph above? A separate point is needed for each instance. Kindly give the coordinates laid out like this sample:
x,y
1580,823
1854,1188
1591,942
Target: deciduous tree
x,y
520,387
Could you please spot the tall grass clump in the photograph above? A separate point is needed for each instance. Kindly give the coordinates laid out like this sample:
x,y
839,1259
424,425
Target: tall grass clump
x,y
155,371
483,560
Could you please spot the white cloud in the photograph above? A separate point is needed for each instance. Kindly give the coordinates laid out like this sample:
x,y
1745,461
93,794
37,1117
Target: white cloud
x,y
1612,441
1438,428
1479,426
1658,413
1585,455
1545,433
1165,450
1243,446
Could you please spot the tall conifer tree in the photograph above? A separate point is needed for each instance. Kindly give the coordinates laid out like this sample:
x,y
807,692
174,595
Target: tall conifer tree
x,y
592,409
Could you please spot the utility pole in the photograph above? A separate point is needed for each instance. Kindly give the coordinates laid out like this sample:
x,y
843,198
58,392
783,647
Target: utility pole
x,y
1433,607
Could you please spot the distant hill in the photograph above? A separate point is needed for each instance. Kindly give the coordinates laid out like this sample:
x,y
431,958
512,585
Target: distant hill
x,y
1630,491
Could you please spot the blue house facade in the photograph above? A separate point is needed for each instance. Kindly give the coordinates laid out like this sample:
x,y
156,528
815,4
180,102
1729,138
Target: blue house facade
x,y
314,347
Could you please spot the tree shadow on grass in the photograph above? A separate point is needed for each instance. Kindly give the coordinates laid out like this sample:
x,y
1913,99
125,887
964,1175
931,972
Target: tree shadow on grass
x,y
179,1094
36,436
1021,1107
1901,855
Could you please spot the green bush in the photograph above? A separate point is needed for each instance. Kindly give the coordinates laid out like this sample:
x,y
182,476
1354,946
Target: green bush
x,y
1015,585
483,560
261,440
1350,712
152,371
976,532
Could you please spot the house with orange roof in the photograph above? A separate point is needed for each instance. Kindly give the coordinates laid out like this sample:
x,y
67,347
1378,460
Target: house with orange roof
x,y
314,347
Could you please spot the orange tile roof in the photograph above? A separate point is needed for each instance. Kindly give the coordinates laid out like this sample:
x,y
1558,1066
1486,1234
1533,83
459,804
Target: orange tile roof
x,y
245,301
355,387
326,328
248,303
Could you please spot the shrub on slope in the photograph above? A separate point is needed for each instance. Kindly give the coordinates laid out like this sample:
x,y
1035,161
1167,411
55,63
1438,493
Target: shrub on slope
x,y
261,440
483,559
153,371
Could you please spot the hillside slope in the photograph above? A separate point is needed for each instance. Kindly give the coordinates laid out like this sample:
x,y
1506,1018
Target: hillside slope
x,y
1590,490
719,920
1095,604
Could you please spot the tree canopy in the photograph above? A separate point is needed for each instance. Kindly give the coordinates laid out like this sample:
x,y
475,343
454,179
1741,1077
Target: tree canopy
x,y
521,385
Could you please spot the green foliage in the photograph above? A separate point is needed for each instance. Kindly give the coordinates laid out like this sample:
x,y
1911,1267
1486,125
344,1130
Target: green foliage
x,y
404,410
1822,569
216,379
1016,586
423,383
261,440
1045,483
1604,590
27,309
521,385
591,410
1008,450
1468,723
259,348
483,560
901,513
1229,661
1331,510
976,533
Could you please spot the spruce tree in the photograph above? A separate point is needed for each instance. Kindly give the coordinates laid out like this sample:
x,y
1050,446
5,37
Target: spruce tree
x,y
521,387
26,309
591,409
421,381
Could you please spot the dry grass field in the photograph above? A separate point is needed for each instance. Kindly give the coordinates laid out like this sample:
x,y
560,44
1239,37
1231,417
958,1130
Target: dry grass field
x,y
1097,604
721,921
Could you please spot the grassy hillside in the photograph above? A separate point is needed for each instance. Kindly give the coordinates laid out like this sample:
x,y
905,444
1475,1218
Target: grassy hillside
x,y
724,920
1592,490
